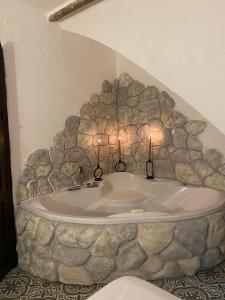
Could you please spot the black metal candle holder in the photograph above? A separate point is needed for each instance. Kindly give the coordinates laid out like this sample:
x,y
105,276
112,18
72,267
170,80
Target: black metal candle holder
x,y
98,172
120,166
150,170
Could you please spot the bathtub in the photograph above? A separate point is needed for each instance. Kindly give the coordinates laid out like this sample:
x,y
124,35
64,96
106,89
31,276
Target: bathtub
x,y
128,198
127,226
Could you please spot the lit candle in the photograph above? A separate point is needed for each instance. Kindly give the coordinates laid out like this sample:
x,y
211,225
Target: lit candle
x,y
98,156
150,148
119,150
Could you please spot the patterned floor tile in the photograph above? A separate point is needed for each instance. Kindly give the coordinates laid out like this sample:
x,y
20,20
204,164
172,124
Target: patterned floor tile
x,y
19,285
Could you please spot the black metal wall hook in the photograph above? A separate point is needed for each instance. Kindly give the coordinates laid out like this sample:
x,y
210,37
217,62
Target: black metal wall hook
x,y
150,170
120,166
98,172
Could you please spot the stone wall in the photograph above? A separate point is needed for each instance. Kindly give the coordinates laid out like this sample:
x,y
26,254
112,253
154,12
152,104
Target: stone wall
x,y
129,109
85,254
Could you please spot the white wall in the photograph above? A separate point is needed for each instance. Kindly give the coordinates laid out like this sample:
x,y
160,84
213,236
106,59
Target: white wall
x,y
50,73
179,42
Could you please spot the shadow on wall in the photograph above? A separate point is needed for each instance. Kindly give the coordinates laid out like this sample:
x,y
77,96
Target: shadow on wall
x,y
13,113
131,111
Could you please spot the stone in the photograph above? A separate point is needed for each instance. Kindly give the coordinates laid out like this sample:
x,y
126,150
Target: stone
x,y
107,98
216,231
155,125
222,169
148,102
211,258
32,189
112,127
39,157
74,155
175,119
74,275
215,181
88,126
135,88
59,141
164,168
100,139
180,138
175,251
24,262
84,141
68,255
69,168
166,101
107,86
213,157
195,155
165,138
190,266
22,218
43,171
133,101
202,167
28,174
94,99
31,227
130,256
122,233
195,127
192,235
187,175
124,115
77,235
105,245
57,157
115,87
21,192
91,155
160,153
125,80
144,132
45,231
130,163
122,96
222,247
101,124
100,267
87,111
71,141
194,143
43,186
180,155
105,111
113,139
151,265
41,251
58,180
141,168
72,125
154,237
169,270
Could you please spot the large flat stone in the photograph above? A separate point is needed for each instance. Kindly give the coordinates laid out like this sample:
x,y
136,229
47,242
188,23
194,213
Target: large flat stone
x,y
124,115
175,119
21,192
213,157
74,155
181,155
215,181
153,264
70,256
57,157
45,232
100,267
72,125
166,101
186,174
180,138
77,235
39,157
194,143
135,88
195,127
22,218
174,251
130,256
211,258
125,80
58,180
43,268
107,86
84,141
107,98
170,270
43,186
192,235
154,237
164,169
202,167
88,126
87,111
59,141
27,174
32,189
43,171
74,275
190,266
107,111
216,231
69,168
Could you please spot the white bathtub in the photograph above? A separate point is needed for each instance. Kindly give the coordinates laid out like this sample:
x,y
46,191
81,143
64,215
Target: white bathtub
x,y
128,198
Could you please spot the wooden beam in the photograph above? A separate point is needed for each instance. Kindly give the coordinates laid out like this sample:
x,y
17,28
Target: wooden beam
x,y
70,8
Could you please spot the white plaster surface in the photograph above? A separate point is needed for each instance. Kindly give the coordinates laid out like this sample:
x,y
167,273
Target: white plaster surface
x,y
50,73
179,42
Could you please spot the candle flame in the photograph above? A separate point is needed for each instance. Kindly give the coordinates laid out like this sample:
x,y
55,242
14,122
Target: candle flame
x,y
99,141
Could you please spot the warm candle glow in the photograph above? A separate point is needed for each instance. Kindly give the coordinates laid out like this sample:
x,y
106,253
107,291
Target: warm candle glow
x,y
119,149
150,147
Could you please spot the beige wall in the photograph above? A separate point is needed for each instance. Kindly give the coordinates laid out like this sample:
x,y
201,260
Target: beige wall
x,y
179,42
50,73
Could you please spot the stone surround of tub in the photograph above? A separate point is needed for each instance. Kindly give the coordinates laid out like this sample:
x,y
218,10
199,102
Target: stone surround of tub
x,y
85,254
128,108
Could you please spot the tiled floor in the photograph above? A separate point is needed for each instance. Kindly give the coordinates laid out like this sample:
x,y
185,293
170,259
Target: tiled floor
x,y
19,285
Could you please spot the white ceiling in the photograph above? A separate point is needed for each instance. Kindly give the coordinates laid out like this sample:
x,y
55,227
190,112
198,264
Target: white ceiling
x,y
44,6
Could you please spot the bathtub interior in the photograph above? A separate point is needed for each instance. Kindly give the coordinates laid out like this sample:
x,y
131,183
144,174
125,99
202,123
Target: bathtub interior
x,y
125,193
